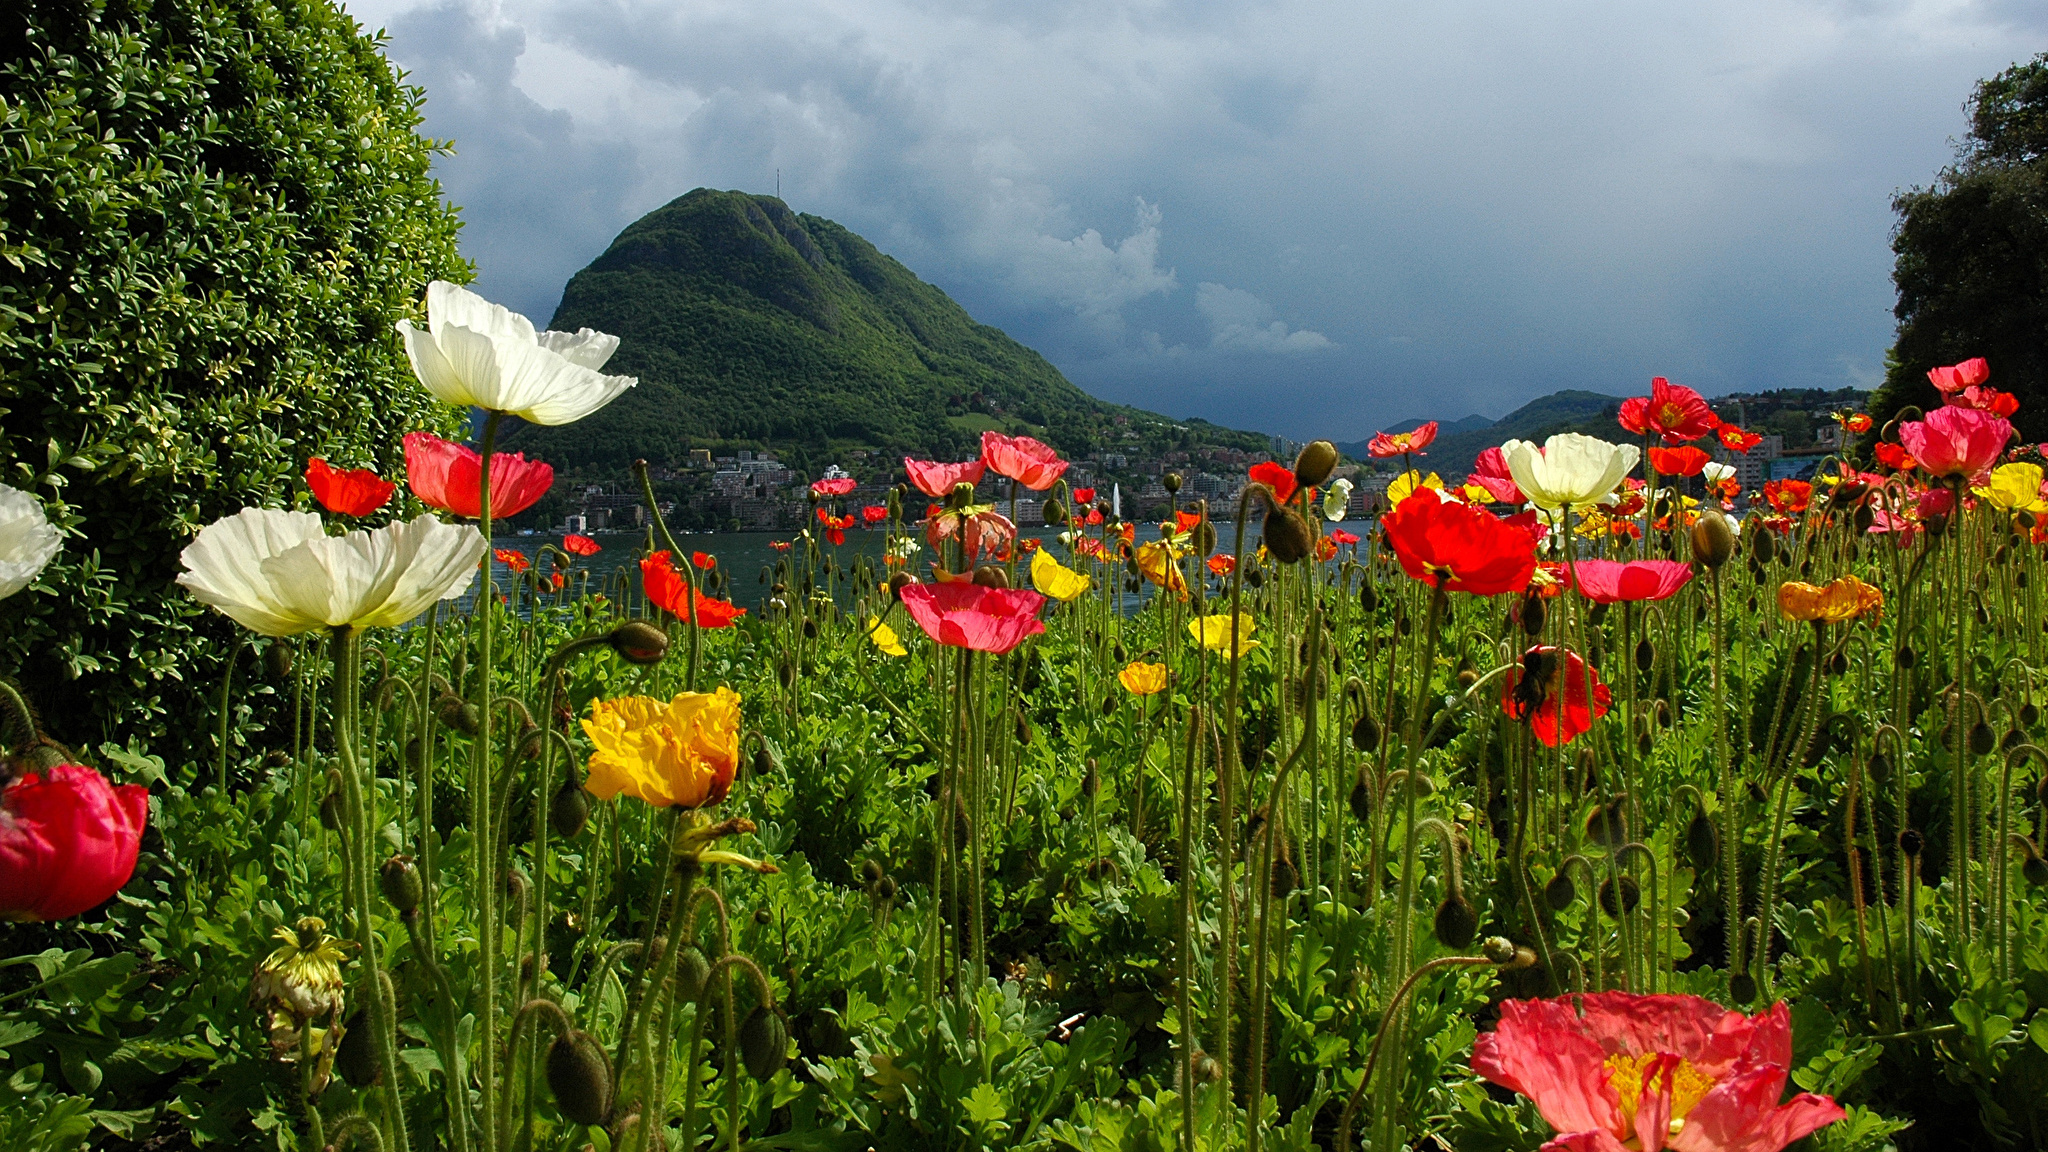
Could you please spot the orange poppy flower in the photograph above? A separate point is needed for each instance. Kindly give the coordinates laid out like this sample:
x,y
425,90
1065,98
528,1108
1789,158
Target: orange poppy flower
x,y
1839,602
512,558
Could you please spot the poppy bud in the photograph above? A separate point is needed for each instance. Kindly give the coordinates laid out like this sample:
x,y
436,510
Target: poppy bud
x,y
580,1077
1109,704
1982,739
531,741
1702,842
1763,546
1286,534
1911,842
1171,482
1368,598
399,880
1646,654
1205,537
1253,576
810,628
1631,895
764,1042
1533,614
961,496
569,811
330,812
1606,826
356,1059
1091,782
638,642
1314,463
2029,714
990,576
786,672
1054,513
1285,878
1560,892
871,871
693,971
1935,523
1742,988
277,660
885,891
1457,923
1838,664
1361,800
1713,542
2033,868
1500,950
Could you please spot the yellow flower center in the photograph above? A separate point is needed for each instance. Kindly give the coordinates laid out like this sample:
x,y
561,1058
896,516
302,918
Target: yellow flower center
x,y
1625,1075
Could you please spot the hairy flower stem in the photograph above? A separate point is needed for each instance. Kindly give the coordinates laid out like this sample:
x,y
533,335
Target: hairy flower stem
x,y
227,680
1184,1000
1730,794
484,881
684,565
1228,772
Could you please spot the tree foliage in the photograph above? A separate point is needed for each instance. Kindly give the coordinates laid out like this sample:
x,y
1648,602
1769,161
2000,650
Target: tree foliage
x,y
1972,269
211,214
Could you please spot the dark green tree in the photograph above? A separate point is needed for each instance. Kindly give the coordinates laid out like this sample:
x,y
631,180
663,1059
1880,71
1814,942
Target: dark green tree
x,y
211,214
1972,270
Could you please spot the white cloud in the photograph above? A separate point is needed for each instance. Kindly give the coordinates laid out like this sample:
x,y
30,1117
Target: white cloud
x,y
1241,322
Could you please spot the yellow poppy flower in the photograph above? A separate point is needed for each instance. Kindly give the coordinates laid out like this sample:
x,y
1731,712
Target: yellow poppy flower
x,y
1055,579
1406,484
681,753
885,638
2015,488
1142,679
1840,601
1156,562
1214,632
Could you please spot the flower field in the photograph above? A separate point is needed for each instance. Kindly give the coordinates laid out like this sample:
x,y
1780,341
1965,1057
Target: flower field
x,y
1588,802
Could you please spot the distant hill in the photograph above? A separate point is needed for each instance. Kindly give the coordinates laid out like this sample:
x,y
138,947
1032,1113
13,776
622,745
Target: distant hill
x,y
752,326
1459,442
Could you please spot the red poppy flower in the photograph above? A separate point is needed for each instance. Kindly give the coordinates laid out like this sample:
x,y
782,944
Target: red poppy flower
x,y
1673,411
512,558
449,476
1999,404
1029,544
1490,471
1459,547
935,479
670,592
67,841
1736,440
1222,564
1686,461
704,561
1186,522
875,513
347,491
557,581
1340,536
1956,441
1895,456
779,545
835,526
1857,422
1783,525
1094,517
837,486
1548,689
1084,495
1606,581
963,614
1088,546
1384,445
580,545
1788,495
1957,377
1612,1070
1278,477
1030,463
1625,507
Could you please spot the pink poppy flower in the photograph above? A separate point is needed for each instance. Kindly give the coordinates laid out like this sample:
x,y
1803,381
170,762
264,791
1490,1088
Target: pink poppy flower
x,y
936,480
1652,1072
1384,445
1606,581
963,614
1957,377
449,476
1956,441
1490,471
1030,463
837,486
68,840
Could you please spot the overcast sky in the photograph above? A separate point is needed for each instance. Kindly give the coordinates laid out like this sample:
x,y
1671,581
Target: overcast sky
x,y
1305,217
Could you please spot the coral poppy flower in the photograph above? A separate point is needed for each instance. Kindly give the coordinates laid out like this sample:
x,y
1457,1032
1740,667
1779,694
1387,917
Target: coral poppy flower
x,y
1142,679
1839,602
1788,495
1957,377
1673,411
1736,439
512,558
678,754
1459,547
1386,444
580,545
875,513
68,840
1029,462
1548,689
1606,581
1084,495
1686,461
667,589
1895,456
449,476
2001,404
1220,633
1490,471
1222,564
1056,579
968,615
1612,1070
836,486
936,480
347,491
1340,536
1278,477
1956,441
703,561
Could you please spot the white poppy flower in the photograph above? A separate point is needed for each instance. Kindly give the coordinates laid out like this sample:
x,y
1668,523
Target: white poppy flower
x,y
280,574
1716,472
1337,499
27,542
1569,469
474,352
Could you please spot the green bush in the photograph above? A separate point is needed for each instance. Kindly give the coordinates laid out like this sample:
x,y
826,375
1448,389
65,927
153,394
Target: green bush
x,y
211,214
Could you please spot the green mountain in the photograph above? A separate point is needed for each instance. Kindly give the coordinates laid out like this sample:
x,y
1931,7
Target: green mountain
x,y
1459,442
752,326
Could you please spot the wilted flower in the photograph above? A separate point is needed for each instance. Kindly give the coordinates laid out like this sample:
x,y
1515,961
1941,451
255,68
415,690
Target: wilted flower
x,y
1056,579
68,840
1386,444
300,981
27,541
280,574
347,491
1219,633
449,476
478,354
1029,462
1142,679
1157,562
677,754
1569,469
